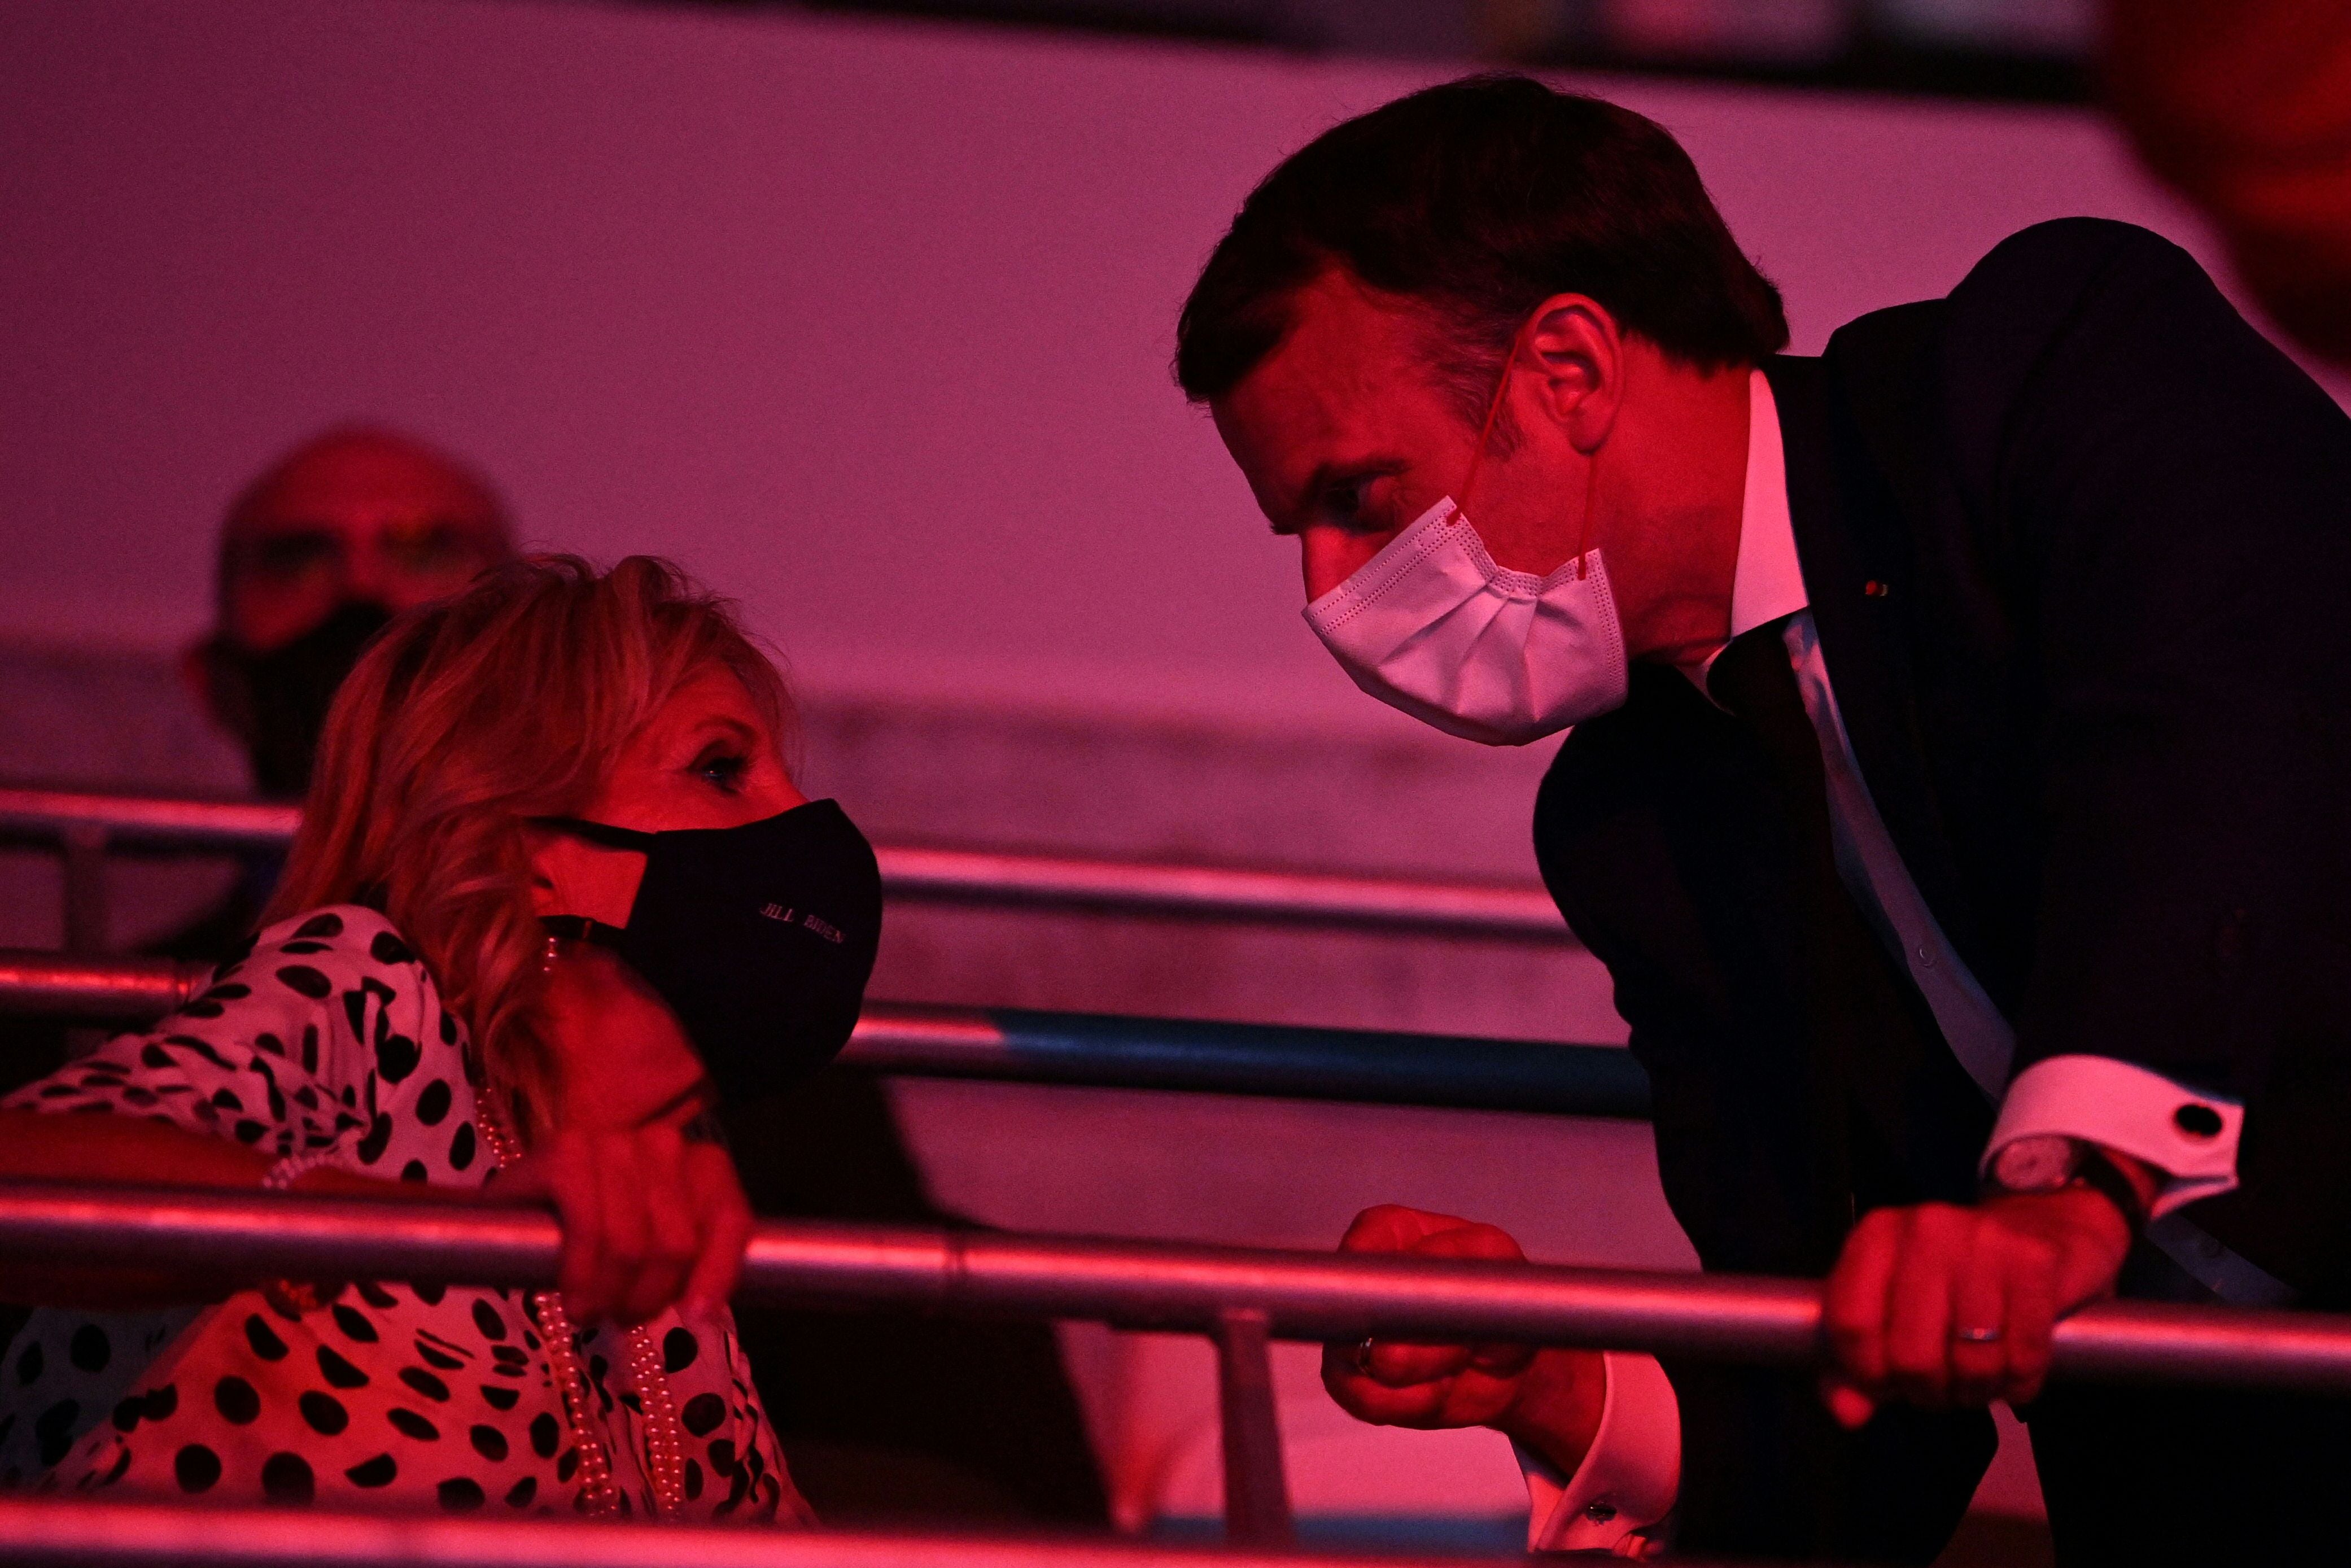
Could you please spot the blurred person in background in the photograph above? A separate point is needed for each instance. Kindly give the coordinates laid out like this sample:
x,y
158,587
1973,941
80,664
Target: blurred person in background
x,y
2246,109
1956,723
316,556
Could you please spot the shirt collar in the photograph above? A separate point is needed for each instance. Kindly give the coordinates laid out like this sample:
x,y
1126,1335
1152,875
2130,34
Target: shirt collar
x,y
1766,582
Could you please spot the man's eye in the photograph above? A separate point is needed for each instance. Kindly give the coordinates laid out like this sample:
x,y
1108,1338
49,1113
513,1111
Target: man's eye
x,y
432,549
1355,503
291,555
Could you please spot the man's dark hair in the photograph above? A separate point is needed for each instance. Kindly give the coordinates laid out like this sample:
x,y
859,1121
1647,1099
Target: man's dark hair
x,y
1480,199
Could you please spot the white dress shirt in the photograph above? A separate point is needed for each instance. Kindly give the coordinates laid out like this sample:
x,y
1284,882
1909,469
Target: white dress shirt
x,y
1611,1501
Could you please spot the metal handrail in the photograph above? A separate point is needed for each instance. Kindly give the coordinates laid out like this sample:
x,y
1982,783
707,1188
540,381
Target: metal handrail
x,y
60,1532
86,825
146,822
1148,1285
121,991
1020,1046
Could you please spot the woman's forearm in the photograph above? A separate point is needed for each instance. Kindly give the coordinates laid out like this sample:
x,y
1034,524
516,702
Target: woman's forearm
x,y
119,1149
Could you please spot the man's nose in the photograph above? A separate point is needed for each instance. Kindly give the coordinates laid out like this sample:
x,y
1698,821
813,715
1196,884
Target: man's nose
x,y
1330,555
366,573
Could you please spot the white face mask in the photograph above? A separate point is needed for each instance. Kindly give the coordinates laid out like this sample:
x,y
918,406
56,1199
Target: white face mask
x,y
1431,626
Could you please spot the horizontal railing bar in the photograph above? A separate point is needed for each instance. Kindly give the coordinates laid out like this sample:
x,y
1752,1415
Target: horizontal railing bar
x,y
60,1532
121,991
1012,1045
1105,1051
147,822
1132,1284
155,823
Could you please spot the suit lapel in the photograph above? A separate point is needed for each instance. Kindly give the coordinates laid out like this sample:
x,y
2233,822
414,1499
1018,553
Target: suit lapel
x,y
1855,575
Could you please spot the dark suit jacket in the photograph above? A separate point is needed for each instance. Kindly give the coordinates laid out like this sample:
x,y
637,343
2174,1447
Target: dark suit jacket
x,y
2102,701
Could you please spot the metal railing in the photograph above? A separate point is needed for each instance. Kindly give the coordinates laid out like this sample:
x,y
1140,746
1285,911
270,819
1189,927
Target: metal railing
x,y
1020,1046
45,1533
1242,1298
84,828
1132,1284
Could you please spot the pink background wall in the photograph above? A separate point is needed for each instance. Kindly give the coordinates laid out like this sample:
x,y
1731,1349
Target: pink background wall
x,y
867,323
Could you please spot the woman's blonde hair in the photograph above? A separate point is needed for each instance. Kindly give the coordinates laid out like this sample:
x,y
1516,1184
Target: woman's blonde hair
x,y
463,720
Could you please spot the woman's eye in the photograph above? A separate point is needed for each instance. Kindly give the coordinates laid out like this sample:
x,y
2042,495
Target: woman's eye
x,y
723,768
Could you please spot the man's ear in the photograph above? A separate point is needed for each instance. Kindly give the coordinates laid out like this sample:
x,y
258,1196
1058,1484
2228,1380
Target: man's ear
x,y
1575,353
218,688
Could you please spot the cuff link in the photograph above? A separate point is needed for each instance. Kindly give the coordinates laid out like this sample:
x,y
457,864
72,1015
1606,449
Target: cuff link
x,y
2197,1121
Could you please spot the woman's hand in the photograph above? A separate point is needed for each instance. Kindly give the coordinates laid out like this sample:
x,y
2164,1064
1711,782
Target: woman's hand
x,y
649,1220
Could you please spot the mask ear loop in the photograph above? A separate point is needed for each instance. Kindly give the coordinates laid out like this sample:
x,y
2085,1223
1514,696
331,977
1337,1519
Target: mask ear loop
x,y
1583,526
1485,433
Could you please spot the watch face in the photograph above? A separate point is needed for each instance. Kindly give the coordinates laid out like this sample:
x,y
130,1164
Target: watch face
x,y
2035,1165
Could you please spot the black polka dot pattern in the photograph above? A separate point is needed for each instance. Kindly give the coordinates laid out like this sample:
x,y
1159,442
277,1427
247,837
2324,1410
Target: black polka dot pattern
x,y
308,981
372,1473
409,1424
328,1035
425,1382
197,1468
285,1477
325,1412
54,1428
236,1401
702,1414
263,1339
90,1349
337,1371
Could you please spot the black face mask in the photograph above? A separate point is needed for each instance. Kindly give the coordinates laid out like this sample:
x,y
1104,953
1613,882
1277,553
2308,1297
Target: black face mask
x,y
284,693
760,937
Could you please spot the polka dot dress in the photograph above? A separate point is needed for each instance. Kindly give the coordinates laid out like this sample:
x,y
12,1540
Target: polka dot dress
x,y
329,1036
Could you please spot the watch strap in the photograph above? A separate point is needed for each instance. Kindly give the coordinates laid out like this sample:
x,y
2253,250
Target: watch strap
x,y
2101,1175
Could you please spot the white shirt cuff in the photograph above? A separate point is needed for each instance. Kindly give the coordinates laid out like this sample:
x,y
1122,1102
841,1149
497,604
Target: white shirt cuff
x,y
1630,1477
2187,1135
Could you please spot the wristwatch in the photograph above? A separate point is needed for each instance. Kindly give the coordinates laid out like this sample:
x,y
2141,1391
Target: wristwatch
x,y
2049,1163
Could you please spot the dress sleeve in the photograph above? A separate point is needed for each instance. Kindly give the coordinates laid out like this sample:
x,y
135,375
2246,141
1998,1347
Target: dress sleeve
x,y
293,1048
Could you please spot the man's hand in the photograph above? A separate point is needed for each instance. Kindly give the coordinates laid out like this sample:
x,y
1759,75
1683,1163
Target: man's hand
x,y
1549,1399
1941,1306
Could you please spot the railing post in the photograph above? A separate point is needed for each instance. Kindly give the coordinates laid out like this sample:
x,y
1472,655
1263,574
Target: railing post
x,y
82,864
1257,1492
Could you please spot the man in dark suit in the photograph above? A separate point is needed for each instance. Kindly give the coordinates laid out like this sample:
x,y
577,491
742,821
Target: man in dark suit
x,y
1955,794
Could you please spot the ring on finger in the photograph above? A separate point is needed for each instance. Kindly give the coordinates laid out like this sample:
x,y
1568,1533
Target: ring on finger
x,y
1364,1355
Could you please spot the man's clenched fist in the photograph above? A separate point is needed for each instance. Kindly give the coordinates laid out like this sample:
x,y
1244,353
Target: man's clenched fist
x,y
1549,1400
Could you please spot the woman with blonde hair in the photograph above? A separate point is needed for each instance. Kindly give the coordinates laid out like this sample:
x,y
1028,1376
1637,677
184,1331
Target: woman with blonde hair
x,y
555,895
